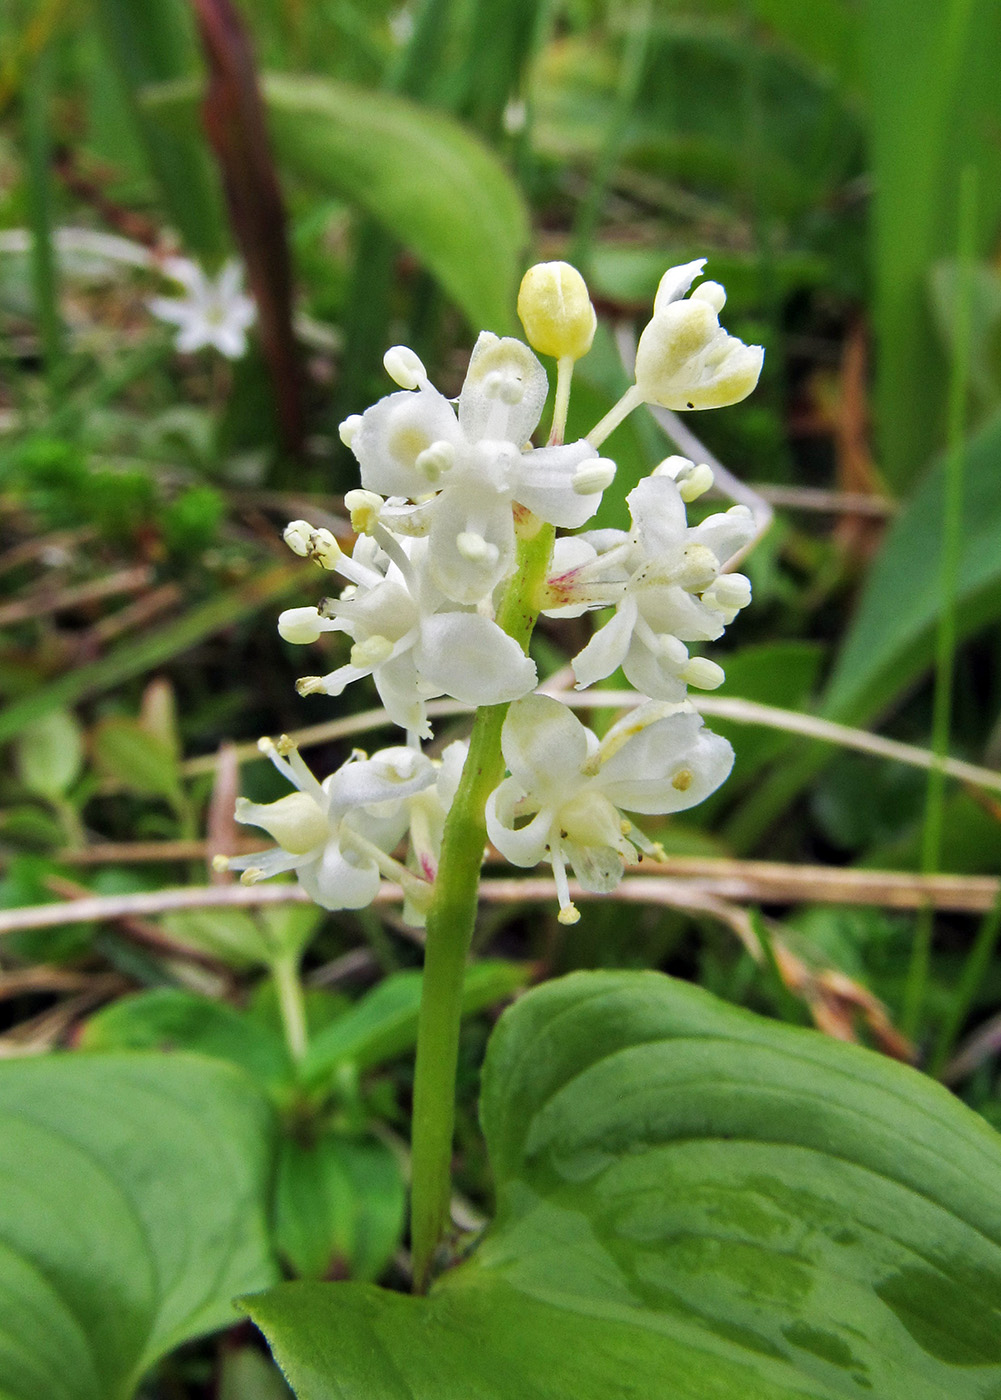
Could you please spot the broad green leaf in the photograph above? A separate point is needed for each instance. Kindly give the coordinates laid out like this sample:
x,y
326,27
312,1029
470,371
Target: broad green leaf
x,y
247,1375
932,95
694,1203
383,1023
339,1206
429,182
132,1213
171,1019
891,638
139,760
49,755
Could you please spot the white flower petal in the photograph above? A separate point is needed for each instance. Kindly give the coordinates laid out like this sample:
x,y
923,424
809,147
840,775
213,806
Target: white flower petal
x,y
526,845
675,283
607,649
667,766
340,881
668,608
658,516
545,484
656,676
726,533
471,659
389,776
545,747
392,435
402,695
471,543
504,391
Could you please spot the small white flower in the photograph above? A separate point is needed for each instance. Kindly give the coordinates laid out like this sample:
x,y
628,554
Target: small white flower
x,y
412,641
570,787
213,311
464,471
336,835
664,581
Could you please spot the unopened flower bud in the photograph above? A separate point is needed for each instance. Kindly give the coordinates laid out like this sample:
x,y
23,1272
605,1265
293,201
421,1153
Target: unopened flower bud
x,y
364,508
404,366
556,311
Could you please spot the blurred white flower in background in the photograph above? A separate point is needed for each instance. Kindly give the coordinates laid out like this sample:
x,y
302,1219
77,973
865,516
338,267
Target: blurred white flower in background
x,y
214,311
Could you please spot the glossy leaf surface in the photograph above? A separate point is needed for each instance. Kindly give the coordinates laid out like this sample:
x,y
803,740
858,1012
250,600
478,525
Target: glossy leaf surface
x,y
694,1203
132,1212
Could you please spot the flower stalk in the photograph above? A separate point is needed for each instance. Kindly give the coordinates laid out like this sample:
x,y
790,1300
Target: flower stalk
x,y
450,922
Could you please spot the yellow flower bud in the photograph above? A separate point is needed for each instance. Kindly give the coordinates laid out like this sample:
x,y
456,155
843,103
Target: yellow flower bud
x,y
556,311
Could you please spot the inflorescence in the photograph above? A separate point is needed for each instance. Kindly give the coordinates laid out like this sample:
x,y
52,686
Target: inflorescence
x,y
447,490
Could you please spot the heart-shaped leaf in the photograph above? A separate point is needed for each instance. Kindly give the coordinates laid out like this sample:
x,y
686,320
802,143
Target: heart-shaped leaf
x,y
693,1203
132,1212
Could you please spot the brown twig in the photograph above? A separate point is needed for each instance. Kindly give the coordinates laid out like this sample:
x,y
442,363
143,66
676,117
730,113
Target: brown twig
x,y
45,601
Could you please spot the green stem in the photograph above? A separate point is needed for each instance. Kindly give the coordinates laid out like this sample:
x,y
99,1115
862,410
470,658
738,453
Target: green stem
x,y
450,923
291,1004
945,649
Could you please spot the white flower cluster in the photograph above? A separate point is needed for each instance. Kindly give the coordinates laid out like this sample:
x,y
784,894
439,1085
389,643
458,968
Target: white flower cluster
x,y
447,490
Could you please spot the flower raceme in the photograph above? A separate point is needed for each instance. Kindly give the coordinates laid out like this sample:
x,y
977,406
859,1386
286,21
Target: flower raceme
x,y
455,558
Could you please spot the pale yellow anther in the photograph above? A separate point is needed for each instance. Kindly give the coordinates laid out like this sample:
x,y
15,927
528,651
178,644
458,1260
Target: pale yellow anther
x,y
683,779
373,651
713,293
591,478
297,536
703,673
324,549
220,864
435,460
569,914
251,875
364,508
349,428
404,366
284,745
476,549
556,310
310,685
266,745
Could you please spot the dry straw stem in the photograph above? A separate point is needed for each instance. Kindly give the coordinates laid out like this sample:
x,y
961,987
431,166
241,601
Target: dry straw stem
x,y
722,707
755,881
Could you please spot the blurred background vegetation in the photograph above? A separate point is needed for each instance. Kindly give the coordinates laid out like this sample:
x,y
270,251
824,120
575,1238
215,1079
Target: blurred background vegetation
x,y
386,172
